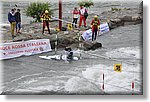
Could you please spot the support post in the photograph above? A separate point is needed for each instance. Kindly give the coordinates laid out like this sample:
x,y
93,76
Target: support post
x,y
60,14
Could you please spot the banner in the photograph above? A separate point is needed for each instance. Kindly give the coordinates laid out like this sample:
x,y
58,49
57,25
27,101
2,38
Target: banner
x,y
87,35
17,49
104,28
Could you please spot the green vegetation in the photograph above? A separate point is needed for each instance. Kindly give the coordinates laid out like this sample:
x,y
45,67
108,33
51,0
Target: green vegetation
x,y
115,9
119,9
36,9
86,3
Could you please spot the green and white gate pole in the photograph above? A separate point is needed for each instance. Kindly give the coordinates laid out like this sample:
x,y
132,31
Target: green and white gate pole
x,y
56,43
80,44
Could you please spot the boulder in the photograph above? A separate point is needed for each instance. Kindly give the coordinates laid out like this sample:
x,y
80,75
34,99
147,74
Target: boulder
x,y
137,19
115,23
116,20
91,46
127,18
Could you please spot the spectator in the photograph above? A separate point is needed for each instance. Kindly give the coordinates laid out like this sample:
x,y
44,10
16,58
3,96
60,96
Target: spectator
x,y
18,21
12,20
82,12
75,16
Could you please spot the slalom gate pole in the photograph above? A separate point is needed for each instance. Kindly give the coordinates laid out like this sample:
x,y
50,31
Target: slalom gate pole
x,y
103,87
56,43
80,45
132,88
133,84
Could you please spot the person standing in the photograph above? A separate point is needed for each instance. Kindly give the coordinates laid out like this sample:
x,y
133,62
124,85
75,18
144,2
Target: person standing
x,y
12,21
82,11
18,21
46,18
75,16
95,25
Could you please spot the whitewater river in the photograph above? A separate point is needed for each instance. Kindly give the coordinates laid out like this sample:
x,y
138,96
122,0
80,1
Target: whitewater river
x,y
123,45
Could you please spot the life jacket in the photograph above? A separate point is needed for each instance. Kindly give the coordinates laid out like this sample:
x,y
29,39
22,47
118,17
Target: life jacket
x,y
95,23
45,17
70,55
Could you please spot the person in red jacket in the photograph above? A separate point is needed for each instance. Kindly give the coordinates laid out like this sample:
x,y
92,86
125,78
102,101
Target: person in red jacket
x,y
95,26
82,17
75,16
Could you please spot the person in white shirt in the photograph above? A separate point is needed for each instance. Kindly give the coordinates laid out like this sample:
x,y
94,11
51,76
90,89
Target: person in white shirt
x,y
82,12
75,16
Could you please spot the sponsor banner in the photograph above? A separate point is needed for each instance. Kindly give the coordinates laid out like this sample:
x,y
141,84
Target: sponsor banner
x,y
87,35
104,28
17,49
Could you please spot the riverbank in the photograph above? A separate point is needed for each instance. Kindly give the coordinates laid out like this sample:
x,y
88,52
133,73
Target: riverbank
x,y
115,17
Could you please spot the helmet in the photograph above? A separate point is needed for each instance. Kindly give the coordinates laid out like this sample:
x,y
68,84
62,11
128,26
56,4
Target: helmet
x,y
95,16
46,11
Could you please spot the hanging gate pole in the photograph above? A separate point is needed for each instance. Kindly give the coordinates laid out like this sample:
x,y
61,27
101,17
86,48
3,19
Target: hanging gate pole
x,y
56,44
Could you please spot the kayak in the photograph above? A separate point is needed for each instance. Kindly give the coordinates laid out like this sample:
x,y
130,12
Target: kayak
x,y
58,57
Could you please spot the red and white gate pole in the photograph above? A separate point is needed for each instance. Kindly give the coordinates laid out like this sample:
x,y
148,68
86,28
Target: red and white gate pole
x,y
132,88
103,83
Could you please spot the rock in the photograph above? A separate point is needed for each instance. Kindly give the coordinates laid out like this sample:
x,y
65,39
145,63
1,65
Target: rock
x,y
116,20
38,37
64,29
115,23
91,46
66,32
127,18
76,30
29,36
66,41
135,18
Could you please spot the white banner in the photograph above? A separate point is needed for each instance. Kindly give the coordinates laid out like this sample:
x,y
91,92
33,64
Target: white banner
x,y
17,49
87,35
104,28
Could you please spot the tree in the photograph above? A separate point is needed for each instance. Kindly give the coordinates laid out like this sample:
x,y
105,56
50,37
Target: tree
x,y
36,9
86,3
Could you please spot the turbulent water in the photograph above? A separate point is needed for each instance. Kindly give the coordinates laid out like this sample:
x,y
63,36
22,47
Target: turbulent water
x,y
123,45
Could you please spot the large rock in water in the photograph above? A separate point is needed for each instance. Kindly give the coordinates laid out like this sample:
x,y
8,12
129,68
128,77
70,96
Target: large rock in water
x,y
127,18
91,46
115,23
